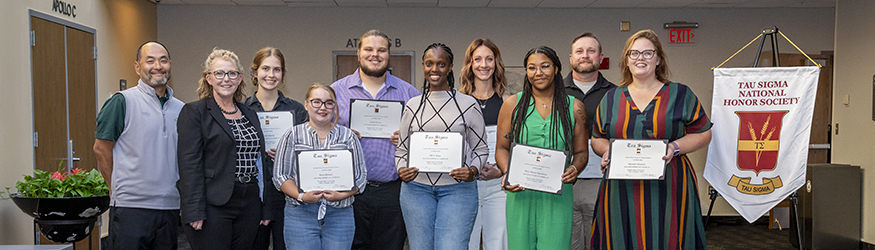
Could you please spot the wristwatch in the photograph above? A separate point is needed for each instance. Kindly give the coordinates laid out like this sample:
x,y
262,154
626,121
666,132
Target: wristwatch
x,y
677,150
300,197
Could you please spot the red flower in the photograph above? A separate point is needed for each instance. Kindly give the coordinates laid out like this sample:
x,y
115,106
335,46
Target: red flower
x,y
59,176
77,170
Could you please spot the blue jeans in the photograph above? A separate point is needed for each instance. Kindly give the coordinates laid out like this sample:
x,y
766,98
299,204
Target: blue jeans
x,y
303,230
439,217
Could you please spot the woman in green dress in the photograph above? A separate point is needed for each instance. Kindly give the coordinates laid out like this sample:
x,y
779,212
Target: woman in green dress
x,y
650,214
542,115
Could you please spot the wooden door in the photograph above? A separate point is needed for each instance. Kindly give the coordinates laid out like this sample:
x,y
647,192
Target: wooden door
x,y
82,97
819,151
346,62
64,102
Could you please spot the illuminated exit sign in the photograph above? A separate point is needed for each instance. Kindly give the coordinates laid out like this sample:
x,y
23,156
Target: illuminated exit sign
x,y
680,35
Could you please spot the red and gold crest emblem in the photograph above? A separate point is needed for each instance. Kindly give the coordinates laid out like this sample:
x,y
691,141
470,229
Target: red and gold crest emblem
x,y
759,136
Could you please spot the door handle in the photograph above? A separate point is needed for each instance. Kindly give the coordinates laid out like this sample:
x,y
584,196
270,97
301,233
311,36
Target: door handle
x,y
77,159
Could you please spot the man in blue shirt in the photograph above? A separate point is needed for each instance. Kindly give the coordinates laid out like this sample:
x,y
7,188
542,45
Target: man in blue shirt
x,y
378,220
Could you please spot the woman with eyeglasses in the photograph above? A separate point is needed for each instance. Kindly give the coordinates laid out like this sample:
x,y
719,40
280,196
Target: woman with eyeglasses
x,y
653,214
268,73
318,219
439,207
542,115
483,78
220,154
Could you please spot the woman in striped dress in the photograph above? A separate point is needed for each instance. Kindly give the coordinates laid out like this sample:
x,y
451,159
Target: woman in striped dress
x,y
650,214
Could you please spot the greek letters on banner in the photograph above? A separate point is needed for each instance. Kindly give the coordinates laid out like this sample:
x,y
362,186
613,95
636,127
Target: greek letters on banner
x,y
759,144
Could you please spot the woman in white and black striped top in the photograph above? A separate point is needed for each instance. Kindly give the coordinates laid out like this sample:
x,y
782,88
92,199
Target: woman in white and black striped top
x,y
439,208
319,219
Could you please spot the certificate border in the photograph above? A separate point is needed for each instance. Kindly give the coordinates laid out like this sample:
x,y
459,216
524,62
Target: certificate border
x,y
298,166
611,149
510,157
461,150
351,101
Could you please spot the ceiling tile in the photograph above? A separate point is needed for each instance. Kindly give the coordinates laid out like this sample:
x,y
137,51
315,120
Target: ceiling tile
x,y
210,2
259,2
565,3
616,3
463,3
171,2
667,3
361,3
412,3
513,3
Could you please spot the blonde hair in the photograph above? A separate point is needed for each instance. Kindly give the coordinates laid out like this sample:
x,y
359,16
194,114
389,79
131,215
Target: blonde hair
x,y
466,79
330,93
662,72
376,33
204,89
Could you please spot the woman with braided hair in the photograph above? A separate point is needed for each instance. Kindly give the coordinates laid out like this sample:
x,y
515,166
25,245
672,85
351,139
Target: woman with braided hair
x,y
439,208
542,115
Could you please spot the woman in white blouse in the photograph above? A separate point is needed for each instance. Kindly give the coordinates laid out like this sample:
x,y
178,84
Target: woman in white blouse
x,y
318,219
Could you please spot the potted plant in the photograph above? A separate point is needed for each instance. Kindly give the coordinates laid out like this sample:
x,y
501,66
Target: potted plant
x,y
65,205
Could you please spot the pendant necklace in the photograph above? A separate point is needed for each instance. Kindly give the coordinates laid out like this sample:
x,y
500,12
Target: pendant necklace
x,y
483,103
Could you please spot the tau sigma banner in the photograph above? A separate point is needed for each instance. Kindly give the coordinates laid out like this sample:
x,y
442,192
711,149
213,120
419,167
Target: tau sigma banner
x,y
759,144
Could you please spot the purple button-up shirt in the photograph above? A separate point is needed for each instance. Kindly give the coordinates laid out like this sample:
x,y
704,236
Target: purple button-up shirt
x,y
379,153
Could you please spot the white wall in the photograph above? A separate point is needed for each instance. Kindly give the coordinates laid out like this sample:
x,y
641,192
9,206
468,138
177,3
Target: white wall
x,y
307,37
122,25
854,74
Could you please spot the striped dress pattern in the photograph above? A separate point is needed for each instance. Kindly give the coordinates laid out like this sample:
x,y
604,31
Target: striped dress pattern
x,y
650,214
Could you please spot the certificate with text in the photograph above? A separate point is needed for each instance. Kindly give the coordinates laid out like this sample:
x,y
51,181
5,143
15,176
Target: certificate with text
x,y
436,152
637,159
374,118
490,141
536,168
275,125
325,170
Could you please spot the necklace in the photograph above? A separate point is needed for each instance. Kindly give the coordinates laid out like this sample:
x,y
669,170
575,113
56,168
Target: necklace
x,y
227,112
544,105
482,103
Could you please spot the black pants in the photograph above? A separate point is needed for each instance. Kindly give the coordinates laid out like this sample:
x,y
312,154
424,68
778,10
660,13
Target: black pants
x,y
139,228
275,229
229,226
378,220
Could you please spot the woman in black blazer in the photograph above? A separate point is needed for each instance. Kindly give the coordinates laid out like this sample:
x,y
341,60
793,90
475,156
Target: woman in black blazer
x,y
220,150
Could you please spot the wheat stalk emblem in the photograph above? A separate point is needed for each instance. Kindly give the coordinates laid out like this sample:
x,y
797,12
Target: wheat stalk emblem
x,y
763,135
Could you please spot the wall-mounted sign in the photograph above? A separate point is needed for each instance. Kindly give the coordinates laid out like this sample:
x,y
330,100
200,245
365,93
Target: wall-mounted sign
x,y
353,42
64,8
680,35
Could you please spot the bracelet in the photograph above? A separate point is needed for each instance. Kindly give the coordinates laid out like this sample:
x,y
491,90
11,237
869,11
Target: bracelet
x,y
575,168
474,170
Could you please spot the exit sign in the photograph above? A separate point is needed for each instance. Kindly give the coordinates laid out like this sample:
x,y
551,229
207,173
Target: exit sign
x,y
682,35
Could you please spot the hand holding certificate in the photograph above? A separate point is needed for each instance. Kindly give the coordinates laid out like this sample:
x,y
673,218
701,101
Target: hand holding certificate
x,y
637,159
536,168
373,118
438,152
325,170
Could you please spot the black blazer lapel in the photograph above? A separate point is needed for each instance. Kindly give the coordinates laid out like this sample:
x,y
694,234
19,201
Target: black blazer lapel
x,y
216,112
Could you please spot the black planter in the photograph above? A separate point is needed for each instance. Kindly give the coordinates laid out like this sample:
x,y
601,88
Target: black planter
x,y
63,220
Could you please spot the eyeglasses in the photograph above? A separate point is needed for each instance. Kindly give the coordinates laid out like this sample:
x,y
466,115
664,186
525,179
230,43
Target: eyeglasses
x,y
222,74
633,54
316,103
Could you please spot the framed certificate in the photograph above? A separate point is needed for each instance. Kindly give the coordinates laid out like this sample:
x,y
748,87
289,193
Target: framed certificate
x,y
536,168
437,152
490,141
375,118
325,170
637,159
274,125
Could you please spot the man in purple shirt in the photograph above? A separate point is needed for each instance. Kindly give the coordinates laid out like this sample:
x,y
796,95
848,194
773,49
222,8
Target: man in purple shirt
x,y
378,220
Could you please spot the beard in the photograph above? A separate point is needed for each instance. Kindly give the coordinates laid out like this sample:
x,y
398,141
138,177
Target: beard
x,y
592,68
377,72
159,81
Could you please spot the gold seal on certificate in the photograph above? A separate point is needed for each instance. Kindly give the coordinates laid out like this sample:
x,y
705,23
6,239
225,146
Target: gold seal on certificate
x,y
637,159
374,118
325,170
274,125
536,168
436,152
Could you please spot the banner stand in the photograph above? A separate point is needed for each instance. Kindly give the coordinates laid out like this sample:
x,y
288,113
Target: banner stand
x,y
793,197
